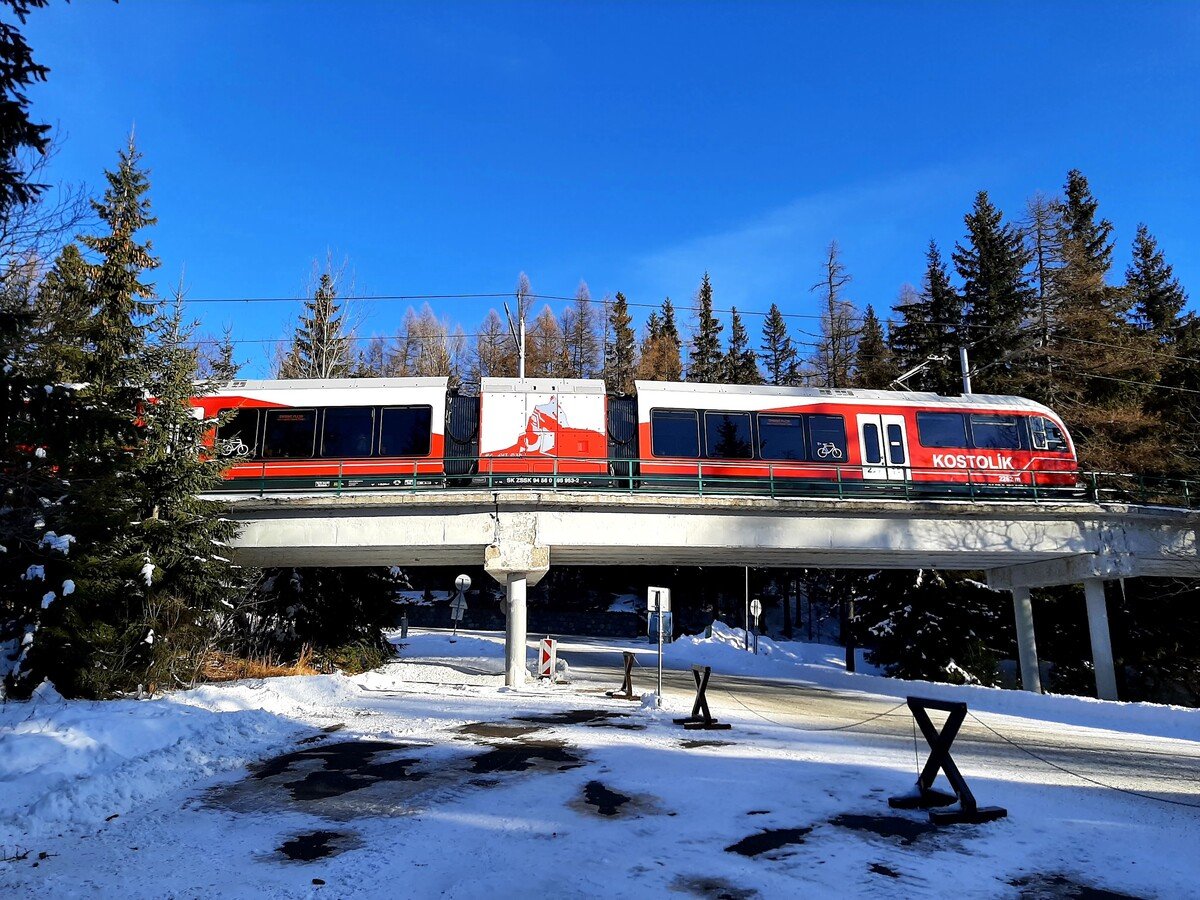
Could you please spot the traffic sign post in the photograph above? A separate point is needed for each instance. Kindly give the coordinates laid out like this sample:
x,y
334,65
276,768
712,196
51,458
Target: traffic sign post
x,y
547,657
458,605
658,602
756,612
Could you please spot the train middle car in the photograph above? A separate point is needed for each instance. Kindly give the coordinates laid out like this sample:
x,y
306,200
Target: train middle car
x,y
414,432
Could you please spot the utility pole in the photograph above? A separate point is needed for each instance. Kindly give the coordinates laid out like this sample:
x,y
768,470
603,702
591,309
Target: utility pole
x,y
518,334
966,369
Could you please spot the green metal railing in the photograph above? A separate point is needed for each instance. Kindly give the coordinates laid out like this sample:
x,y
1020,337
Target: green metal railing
x,y
782,480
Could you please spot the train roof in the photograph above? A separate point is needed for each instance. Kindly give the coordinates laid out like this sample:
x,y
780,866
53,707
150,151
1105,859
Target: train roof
x,y
861,395
328,384
542,385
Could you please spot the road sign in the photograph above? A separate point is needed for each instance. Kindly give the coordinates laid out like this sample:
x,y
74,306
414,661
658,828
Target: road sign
x,y
458,606
658,599
547,657
756,608
463,583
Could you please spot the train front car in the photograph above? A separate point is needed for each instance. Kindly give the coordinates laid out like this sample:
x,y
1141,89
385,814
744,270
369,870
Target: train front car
x,y
339,434
785,440
543,431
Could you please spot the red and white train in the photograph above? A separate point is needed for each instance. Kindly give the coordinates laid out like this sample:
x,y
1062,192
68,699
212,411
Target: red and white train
x,y
407,432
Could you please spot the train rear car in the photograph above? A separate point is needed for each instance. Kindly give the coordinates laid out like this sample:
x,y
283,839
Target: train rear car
x,y
352,433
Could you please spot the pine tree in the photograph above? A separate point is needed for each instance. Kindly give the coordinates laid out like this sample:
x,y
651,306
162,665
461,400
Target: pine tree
x,y
620,353
740,363
835,351
579,335
321,346
706,360
873,367
997,297
1156,297
777,350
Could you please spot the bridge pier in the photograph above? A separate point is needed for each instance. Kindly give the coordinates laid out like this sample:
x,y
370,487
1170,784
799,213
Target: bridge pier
x,y
1102,656
515,631
1031,678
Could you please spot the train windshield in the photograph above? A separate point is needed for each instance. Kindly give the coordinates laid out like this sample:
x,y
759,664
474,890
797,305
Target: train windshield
x,y
727,435
781,437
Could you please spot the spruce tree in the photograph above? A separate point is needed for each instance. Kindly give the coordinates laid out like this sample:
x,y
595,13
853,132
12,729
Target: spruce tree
x,y
997,296
64,312
740,364
18,133
671,364
706,360
873,367
930,327
1154,293
620,353
93,643
321,346
777,350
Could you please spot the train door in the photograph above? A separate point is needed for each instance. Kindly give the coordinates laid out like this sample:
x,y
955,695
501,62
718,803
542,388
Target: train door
x,y
884,442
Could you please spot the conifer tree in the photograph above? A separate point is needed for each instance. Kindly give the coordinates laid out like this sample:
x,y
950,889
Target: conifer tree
x,y
620,354
873,366
997,297
545,356
321,346
706,361
580,340
930,327
92,644
672,362
740,364
835,350
1155,295
777,350
495,355
64,312
18,133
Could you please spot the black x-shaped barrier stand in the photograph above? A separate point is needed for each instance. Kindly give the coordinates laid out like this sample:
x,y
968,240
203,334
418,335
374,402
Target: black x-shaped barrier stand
x,y
926,797
626,691
701,717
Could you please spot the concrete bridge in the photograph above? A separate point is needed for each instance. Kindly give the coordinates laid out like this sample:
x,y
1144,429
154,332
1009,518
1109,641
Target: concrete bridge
x,y
516,534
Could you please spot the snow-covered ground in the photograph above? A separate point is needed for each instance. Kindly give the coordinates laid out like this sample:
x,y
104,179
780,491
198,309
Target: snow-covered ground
x,y
429,778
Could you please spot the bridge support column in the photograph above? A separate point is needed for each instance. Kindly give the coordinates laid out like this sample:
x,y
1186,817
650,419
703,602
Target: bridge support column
x,y
1031,678
517,561
515,631
1102,657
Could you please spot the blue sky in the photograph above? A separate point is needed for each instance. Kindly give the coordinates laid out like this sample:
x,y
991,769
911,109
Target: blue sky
x,y
444,148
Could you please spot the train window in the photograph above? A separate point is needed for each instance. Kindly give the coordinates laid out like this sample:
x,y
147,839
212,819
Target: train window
x,y
673,432
895,442
290,433
404,431
780,437
1037,430
827,438
727,435
995,433
871,451
238,437
942,429
348,431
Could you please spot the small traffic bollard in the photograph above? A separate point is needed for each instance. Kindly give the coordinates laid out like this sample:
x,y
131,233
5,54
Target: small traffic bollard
x,y
626,691
701,718
547,658
925,796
